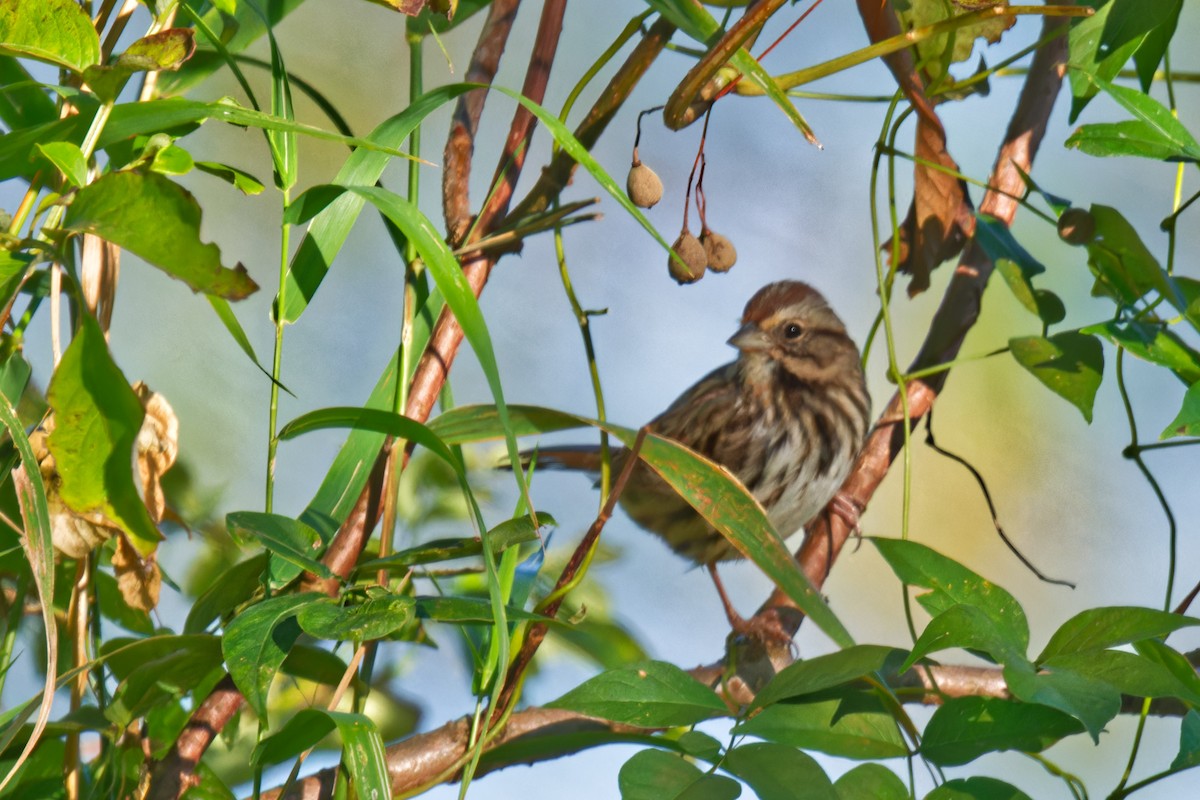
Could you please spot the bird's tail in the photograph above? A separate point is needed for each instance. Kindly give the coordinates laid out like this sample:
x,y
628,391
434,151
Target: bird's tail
x,y
578,458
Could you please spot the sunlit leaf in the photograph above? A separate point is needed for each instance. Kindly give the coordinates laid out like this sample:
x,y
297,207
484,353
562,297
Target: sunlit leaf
x,y
374,618
158,220
652,694
256,642
1102,628
1070,364
58,32
950,583
68,159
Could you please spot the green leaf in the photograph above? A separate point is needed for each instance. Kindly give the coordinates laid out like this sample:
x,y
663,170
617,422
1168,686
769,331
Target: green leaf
x,y
968,627
374,618
1102,628
362,746
123,655
283,143
1070,364
371,419
1187,421
97,419
1095,50
870,782
243,181
68,159
1128,673
232,587
256,642
312,201
950,583
655,775
847,723
39,551
466,610
1012,260
303,731
159,221
23,101
1131,137
1092,702
700,745
965,728
825,672
652,694
57,32
1154,343
1173,662
976,789
711,490
1161,20
778,772
1189,742
1124,267
224,313
164,678
290,539
1154,127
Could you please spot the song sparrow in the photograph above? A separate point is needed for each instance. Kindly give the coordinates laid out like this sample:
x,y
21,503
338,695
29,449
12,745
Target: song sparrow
x,y
787,418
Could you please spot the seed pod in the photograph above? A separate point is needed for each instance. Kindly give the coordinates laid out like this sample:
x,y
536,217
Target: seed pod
x,y
691,253
1076,226
643,185
719,252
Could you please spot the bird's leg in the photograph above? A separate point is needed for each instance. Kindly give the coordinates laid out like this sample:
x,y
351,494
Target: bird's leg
x,y
755,627
849,510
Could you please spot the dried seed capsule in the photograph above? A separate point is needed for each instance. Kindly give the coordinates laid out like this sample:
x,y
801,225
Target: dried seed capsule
x,y
1076,226
719,252
643,185
691,253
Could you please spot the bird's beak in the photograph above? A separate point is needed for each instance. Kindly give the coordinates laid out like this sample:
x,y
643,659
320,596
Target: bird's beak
x,y
750,339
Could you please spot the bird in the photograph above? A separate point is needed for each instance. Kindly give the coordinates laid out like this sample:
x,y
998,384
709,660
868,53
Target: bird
x,y
787,417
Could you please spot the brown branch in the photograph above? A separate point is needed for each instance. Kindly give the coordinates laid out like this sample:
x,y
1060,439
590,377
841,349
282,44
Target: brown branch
x,y
175,773
420,758
954,318
537,631
460,143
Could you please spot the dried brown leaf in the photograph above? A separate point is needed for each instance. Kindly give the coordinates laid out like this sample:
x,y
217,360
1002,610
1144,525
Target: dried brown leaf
x,y
139,580
156,448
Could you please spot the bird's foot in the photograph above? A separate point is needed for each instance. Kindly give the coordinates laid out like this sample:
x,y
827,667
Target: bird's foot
x,y
849,510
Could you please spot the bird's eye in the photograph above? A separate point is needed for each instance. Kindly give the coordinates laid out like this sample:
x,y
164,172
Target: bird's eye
x,y
792,330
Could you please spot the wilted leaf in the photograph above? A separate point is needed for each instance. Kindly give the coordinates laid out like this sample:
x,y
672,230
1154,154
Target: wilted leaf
x,y
159,221
138,579
157,447
167,49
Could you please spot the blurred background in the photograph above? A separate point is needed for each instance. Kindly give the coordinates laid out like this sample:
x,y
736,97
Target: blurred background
x,y
1064,493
